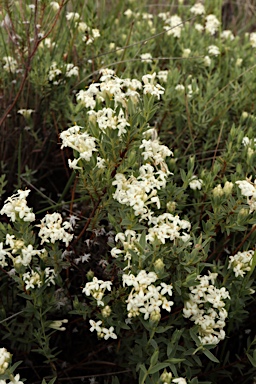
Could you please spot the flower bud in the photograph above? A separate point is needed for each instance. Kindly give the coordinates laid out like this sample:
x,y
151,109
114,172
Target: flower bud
x,y
155,316
159,266
106,311
90,275
171,206
166,377
227,189
218,191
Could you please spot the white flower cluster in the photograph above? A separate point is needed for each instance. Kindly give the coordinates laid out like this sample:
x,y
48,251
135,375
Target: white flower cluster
x,y
107,118
53,229
91,35
140,192
110,86
10,65
248,189
213,50
96,288
198,9
13,380
38,277
25,252
173,26
145,297
241,262
102,332
128,239
195,183
5,358
206,308
146,58
150,87
246,141
154,151
80,141
55,73
253,39
16,206
168,227
212,24
166,378
227,35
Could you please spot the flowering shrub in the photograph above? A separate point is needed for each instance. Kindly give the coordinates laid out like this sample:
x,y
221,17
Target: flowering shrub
x,y
139,165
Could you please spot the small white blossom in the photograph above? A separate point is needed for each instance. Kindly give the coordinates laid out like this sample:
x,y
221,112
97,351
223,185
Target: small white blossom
x,y
16,206
73,16
5,358
174,26
52,229
55,6
212,24
241,262
227,35
197,9
25,112
146,57
253,39
213,50
80,141
195,183
10,65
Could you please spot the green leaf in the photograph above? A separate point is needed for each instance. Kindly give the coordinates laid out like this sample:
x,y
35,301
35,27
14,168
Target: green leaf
x,y
154,358
252,359
175,360
158,367
210,355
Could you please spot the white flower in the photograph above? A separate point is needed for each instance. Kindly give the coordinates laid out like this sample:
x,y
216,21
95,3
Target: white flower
x,y
74,16
55,6
155,151
163,75
57,324
3,253
146,57
179,380
109,333
10,64
212,24
195,183
174,26
253,39
206,308
53,229
180,88
197,9
5,358
95,326
16,380
213,50
241,262
207,61
16,206
32,279
150,87
199,27
71,70
247,187
25,112
80,141
227,35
